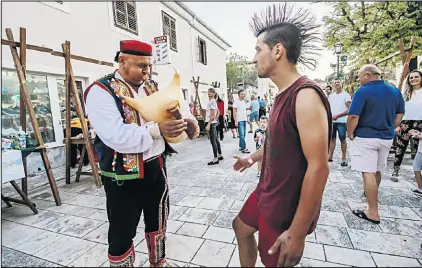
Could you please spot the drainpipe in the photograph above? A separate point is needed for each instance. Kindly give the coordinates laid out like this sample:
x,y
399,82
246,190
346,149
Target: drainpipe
x,y
192,50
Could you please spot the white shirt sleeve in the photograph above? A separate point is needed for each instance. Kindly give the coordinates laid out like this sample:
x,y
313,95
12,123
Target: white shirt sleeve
x,y
107,122
213,104
347,97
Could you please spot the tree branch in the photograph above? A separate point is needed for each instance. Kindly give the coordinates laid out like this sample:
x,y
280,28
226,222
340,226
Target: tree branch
x,y
355,28
365,26
390,14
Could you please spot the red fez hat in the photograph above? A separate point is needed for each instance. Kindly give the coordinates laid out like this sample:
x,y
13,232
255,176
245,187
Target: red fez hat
x,y
135,47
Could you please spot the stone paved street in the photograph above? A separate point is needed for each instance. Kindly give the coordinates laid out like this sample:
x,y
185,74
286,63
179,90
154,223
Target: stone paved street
x,y
204,201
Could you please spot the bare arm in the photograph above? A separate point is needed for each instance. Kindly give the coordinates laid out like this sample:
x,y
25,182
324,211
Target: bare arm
x,y
235,114
352,123
212,115
311,114
345,112
213,108
398,120
258,155
242,163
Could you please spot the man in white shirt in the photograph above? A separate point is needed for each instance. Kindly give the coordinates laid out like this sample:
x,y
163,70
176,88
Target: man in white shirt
x,y
248,114
340,102
240,119
132,156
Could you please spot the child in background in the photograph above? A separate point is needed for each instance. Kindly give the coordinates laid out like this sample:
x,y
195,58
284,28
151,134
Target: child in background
x,y
259,137
417,165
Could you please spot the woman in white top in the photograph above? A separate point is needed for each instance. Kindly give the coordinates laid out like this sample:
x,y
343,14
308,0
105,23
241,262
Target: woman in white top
x,y
211,117
412,118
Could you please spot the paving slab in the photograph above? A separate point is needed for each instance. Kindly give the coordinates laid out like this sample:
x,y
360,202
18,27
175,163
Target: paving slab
x,y
203,202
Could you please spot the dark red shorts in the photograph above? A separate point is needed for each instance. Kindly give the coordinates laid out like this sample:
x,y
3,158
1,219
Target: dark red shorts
x,y
252,216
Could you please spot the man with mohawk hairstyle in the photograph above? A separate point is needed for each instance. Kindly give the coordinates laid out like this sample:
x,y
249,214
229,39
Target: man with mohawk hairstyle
x,y
285,206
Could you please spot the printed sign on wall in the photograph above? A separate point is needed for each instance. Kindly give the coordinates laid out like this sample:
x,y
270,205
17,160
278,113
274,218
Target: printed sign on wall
x,y
11,166
161,50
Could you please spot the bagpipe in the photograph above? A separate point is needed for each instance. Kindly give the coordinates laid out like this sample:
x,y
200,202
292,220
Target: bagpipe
x,y
163,104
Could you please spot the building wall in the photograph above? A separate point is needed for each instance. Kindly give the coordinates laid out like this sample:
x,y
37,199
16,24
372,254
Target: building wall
x,y
89,26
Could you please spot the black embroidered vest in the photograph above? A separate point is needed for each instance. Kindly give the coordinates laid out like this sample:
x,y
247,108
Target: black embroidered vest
x,y
113,164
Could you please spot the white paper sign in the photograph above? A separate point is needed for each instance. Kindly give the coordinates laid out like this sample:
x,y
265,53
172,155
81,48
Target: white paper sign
x,y
161,50
11,166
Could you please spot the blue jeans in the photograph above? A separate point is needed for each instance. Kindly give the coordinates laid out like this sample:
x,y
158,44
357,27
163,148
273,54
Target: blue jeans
x,y
242,132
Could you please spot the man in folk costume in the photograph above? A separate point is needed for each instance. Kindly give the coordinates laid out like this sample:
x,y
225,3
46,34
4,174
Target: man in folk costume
x,y
132,156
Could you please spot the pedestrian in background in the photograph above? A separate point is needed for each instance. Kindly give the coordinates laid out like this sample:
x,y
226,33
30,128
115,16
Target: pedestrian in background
x,y
376,110
412,119
211,117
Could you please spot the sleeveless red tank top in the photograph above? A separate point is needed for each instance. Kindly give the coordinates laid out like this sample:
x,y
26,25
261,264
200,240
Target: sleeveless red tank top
x,y
284,164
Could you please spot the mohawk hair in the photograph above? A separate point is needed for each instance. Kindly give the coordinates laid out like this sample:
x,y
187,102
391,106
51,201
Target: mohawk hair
x,y
297,31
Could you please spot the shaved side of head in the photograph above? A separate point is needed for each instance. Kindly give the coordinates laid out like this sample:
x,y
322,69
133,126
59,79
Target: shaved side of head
x,y
370,68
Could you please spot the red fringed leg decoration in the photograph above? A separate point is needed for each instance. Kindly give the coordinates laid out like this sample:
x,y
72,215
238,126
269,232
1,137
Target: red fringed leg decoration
x,y
125,260
156,248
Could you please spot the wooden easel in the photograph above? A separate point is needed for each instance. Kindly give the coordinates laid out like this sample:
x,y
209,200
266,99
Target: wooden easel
x,y
88,148
198,107
25,98
70,89
20,63
197,101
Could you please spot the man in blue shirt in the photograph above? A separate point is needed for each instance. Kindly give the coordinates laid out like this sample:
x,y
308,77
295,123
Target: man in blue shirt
x,y
377,109
254,116
262,111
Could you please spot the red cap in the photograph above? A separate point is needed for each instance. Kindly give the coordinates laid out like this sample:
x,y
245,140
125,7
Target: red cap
x,y
135,47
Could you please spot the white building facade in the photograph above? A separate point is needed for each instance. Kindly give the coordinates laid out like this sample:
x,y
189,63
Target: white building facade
x,y
94,30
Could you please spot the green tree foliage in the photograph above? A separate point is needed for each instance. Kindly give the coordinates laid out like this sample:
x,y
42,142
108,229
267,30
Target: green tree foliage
x,y
239,71
370,31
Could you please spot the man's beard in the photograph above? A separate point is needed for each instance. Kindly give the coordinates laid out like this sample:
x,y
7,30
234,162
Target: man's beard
x,y
263,75
266,72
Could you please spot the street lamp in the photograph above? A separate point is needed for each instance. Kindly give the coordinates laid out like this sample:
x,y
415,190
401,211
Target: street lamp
x,y
338,48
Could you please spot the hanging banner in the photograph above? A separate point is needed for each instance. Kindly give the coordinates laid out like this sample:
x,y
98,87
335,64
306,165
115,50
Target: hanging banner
x,y
161,50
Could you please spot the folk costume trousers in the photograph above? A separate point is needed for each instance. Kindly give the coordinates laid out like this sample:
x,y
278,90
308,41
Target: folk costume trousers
x,y
126,201
403,139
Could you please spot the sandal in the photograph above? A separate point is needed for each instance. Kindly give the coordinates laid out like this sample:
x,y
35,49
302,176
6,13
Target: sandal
x,y
417,192
361,214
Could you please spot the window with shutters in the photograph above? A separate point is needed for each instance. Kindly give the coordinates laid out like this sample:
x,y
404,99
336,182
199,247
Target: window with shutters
x,y
125,16
202,47
169,28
